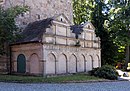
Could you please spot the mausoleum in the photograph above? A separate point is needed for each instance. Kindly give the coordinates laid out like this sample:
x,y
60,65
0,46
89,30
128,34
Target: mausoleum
x,y
50,44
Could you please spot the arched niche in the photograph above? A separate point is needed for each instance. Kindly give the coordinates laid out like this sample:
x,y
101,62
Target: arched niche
x,y
89,63
34,64
21,63
72,64
51,64
62,64
81,64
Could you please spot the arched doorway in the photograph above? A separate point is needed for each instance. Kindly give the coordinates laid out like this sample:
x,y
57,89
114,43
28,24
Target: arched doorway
x,y
62,64
21,64
34,64
72,64
51,64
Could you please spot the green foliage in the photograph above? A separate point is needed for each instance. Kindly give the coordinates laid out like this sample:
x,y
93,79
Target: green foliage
x,y
99,18
119,24
111,20
106,71
8,29
92,72
119,18
79,11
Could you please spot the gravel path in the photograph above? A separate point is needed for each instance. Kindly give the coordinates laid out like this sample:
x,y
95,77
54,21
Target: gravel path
x,y
101,86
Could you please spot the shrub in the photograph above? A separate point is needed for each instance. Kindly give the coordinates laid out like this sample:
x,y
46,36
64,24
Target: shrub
x,y
92,72
106,71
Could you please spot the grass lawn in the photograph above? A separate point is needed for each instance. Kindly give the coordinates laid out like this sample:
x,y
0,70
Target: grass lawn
x,y
57,79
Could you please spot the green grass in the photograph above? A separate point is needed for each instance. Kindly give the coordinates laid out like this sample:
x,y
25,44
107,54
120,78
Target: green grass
x,y
57,79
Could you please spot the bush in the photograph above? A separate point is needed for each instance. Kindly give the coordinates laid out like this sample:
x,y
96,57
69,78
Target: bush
x,y
106,71
93,71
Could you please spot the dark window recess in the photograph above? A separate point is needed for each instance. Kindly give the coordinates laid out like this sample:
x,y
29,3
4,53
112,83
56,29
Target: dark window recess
x,y
38,16
61,19
88,26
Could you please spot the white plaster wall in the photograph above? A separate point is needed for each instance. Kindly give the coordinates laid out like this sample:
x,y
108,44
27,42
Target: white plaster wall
x,y
81,64
60,30
71,42
50,64
88,44
95,45
88,36
60,40
50,30
89,63
72,64
72,35
49,40
82,36
61,67
82,43
62,64
96,62
68,32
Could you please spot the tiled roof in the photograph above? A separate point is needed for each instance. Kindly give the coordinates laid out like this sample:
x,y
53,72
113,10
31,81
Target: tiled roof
x,y
34,31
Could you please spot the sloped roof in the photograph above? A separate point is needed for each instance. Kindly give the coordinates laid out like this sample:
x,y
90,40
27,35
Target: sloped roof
x,y
34,31
85,25
77,29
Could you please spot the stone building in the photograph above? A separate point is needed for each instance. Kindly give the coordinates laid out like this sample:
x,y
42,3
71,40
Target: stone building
x,y
50,43
41,9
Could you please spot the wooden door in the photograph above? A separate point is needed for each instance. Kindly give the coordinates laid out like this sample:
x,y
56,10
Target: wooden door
x,y
21,64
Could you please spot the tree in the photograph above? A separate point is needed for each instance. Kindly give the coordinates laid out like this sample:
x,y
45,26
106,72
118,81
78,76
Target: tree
x,y
80,11
8,29
119,23
119,26
100,17
94,12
